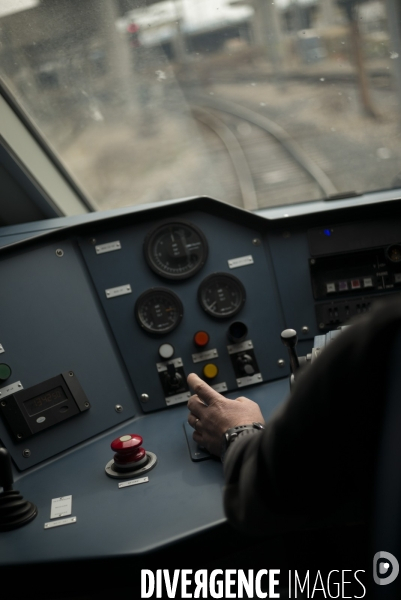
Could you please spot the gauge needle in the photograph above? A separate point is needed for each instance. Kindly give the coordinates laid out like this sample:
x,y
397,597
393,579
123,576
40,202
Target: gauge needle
x,y
213,305
183,242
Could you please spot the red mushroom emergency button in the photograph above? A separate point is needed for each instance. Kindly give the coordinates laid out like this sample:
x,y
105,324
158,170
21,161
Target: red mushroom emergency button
x,y
128,450
130,457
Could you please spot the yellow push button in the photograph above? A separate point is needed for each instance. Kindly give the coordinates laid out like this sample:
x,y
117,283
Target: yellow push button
x,y
210,371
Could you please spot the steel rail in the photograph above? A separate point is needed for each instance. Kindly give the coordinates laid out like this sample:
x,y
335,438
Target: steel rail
x,y
291,146
236,153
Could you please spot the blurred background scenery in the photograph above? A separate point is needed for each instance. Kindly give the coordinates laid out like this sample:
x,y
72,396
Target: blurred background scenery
x,y
254,102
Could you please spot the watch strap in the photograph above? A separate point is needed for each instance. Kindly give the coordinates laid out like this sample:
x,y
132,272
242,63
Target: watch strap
x,y
234,432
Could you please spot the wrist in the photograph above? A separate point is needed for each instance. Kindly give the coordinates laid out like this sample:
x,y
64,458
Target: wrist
x,y
233,433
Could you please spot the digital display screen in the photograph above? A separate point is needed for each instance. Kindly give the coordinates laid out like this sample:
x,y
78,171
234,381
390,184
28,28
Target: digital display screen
x,y
35,405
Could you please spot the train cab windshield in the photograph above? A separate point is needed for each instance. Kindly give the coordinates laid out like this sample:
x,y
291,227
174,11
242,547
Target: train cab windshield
x,y
256,103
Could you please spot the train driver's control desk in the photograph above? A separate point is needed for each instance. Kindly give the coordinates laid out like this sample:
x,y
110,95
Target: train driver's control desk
x,y
102,318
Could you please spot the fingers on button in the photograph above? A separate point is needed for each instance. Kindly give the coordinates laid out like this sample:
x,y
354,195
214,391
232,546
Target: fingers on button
x,y
202,389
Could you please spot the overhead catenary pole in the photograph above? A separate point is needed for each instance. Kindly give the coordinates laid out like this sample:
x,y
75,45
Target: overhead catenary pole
x,y
267,31
327,12
350,7
178,41
394,28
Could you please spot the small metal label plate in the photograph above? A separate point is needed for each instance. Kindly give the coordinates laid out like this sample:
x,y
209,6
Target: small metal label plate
x,y
60,522
118,291
124,484
206,355
234,348
249,380
10,389
220,387
178,398
162,366
110,247
241,261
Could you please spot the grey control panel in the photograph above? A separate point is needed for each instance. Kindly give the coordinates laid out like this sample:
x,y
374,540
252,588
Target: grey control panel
x,y
181,295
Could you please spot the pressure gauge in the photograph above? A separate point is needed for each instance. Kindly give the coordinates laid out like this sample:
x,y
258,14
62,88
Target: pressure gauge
x,y
158,310
175,249
221,295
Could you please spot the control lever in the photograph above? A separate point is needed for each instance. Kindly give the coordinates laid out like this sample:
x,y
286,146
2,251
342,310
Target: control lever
x,y
173,377
6,474
289,338
245,364
14,510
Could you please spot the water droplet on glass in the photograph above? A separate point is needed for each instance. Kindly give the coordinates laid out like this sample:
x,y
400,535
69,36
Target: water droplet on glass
x,y
394,55
322,79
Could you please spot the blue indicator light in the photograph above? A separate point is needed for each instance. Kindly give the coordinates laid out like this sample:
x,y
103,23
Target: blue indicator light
x,y
327,232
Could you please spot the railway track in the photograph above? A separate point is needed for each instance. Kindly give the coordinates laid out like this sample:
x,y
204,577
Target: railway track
x,y
270,166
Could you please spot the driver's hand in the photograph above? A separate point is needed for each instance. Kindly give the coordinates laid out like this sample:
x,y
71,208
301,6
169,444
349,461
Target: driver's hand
x,y
211,414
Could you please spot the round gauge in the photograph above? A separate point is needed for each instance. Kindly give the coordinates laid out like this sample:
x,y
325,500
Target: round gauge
x,y
221,295
175,249
394,253
158,310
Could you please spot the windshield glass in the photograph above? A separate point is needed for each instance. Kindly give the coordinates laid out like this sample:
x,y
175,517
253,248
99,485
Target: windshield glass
x,y
256,103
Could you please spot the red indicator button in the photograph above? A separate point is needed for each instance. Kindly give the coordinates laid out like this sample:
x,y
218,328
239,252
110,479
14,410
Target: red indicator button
x,y
201,338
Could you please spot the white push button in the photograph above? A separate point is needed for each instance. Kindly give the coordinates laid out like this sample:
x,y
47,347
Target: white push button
x,y
166,351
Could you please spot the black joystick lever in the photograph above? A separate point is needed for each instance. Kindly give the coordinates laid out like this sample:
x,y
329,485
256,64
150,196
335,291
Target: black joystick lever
x,y
289,338
173,375
14,510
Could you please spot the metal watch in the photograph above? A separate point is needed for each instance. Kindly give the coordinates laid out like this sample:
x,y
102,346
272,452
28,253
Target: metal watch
x,y
232,434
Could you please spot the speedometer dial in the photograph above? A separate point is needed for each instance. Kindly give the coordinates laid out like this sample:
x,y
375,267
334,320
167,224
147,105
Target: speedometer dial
x,y
175,249
158,310
221,295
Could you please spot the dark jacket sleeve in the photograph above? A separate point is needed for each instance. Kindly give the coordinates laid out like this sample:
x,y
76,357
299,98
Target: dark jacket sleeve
x,y
317,454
